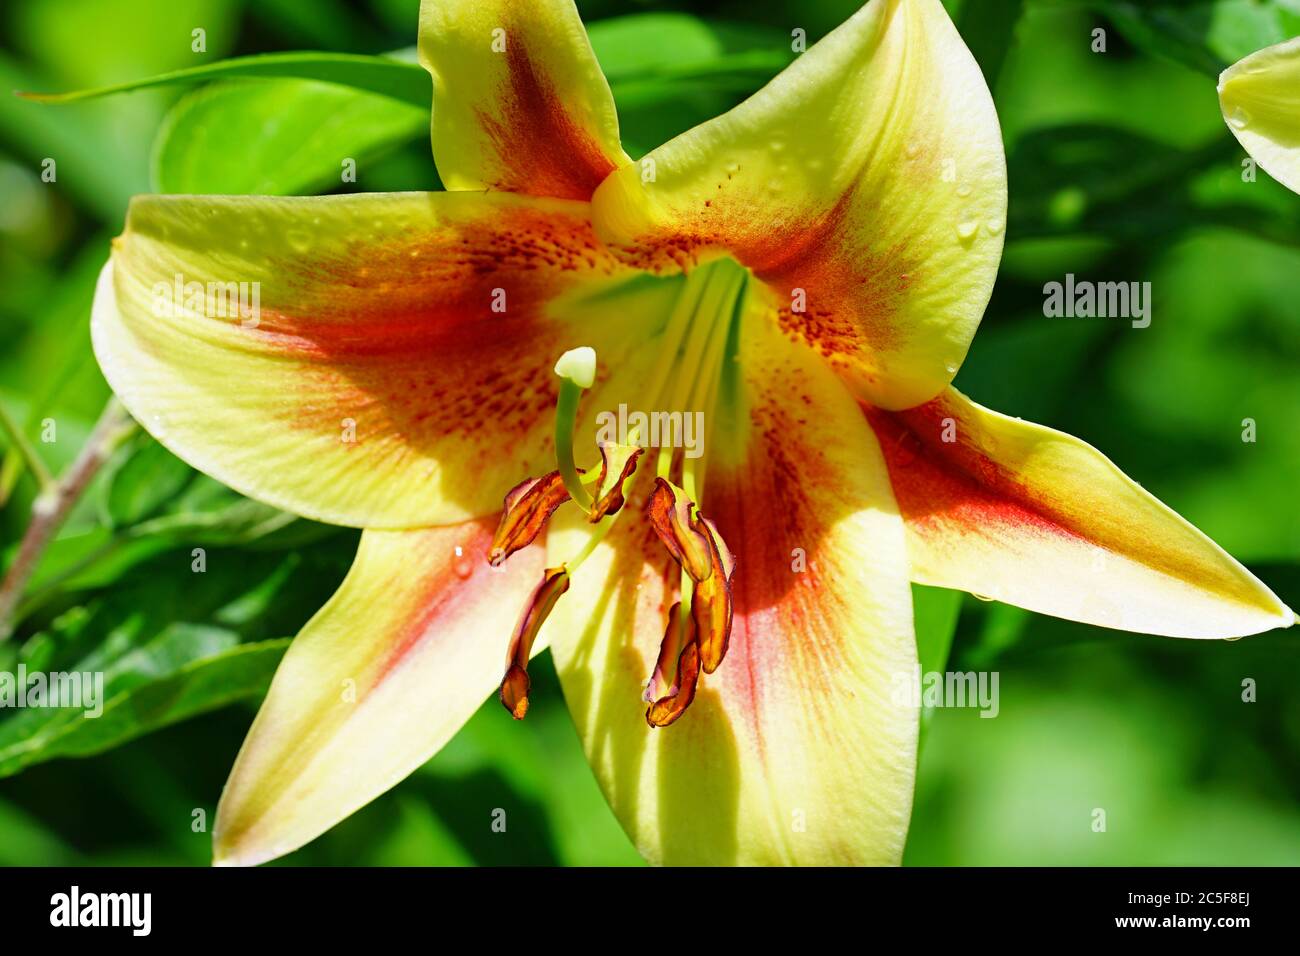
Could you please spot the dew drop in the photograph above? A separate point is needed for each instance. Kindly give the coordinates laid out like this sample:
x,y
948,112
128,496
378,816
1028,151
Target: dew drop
x,y
981,597
461,566
299,241
963,190
994,226
1239,119
966,231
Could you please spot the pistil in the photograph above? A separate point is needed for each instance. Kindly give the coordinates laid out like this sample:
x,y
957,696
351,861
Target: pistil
x,y
577,371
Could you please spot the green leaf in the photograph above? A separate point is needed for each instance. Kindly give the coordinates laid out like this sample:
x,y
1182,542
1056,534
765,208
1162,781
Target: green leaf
x,y
685,47
205,514
935,612
1094,180
176,677
280,137
988,28
143,478
695,70
169,640
1206,35
384,75
332,24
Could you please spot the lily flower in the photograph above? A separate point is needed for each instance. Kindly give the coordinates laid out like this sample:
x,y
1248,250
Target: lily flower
x,y
1260,99
807,271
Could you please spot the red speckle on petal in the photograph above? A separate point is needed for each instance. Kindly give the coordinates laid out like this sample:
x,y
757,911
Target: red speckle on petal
x,y
940,484
544,151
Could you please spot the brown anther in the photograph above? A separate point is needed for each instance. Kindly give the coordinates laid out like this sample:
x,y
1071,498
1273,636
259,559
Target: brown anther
x,y
527,507
617,462
711,603
516,683
677,672
671,514
514,691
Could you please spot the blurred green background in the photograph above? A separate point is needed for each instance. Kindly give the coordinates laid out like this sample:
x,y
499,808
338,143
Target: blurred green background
x,y
1120,169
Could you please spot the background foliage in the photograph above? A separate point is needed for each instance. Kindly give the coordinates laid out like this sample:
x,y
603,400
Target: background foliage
x,y
1120,168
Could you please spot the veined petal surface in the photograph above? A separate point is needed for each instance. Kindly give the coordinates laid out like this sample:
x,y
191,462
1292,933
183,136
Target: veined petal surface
x,y
384,675
519,102
397,371
1031,516
866,185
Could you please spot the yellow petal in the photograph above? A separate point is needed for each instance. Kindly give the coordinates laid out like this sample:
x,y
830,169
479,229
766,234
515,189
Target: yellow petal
x,y
519,101
398,370
795,750
1037,518
1260,99
866,185
376,683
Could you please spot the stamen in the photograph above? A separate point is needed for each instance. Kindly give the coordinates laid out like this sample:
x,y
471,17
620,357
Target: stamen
x,y
528,506
717,358
516,684
671,514
711,603
686,378
672,685
706,609
617,462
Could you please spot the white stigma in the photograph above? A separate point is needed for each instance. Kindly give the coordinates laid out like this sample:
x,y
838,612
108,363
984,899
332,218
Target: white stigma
x,y
578,366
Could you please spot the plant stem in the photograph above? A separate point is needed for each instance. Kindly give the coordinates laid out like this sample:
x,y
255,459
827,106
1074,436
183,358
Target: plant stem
x,y
26,450
53,504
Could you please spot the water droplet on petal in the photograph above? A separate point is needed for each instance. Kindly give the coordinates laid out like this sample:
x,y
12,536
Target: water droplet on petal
x,y
299,241
966,231
461,566
963,190
1239,119
994,226
981,597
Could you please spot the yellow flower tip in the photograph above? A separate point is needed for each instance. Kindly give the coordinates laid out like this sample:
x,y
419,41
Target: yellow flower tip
x,y
224,854
578,366
247,849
